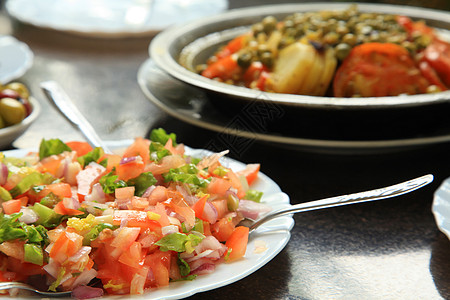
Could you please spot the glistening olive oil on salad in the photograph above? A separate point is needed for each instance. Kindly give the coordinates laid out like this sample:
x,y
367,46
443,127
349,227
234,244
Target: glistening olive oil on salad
x,y
135,221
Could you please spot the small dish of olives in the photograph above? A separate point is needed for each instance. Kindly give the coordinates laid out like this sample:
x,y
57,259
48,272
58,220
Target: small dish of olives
x,y
18,110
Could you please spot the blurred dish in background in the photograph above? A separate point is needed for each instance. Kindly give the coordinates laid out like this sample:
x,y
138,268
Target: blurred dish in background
x,y
441,207
111,18
15,59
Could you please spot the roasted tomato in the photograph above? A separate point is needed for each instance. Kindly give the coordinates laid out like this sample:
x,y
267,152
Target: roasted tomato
x,y
377,70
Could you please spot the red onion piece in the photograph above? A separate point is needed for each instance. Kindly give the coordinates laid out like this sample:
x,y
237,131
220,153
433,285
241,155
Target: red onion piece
x,y
251,209
28,215
210,213
3,173
86,292
148,191
209,242
84,278
126,160
52,268
97,194
204,269
169,229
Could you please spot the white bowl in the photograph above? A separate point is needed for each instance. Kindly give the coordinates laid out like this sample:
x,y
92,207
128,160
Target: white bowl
x,y
11,133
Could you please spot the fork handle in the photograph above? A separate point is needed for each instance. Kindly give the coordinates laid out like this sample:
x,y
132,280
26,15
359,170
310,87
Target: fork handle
x,y
372,195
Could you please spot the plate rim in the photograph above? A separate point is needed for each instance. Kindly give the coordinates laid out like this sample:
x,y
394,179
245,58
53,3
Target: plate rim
x,y
26,62
159,50
292,141
185,289
93,33
437,207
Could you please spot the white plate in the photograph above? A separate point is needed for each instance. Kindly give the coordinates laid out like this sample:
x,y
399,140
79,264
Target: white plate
x,y
111,18
15,58
441,207
275,234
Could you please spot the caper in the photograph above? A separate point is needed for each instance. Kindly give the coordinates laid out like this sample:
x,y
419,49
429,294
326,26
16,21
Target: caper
x,y
262,48
342,51
267,59
350,39
244,59
257,29
269,23
12,111
411,47
342,30
331,38
288,24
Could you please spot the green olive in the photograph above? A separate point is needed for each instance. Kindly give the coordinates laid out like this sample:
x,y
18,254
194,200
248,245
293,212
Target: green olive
x,y
12,111
2,123
19,88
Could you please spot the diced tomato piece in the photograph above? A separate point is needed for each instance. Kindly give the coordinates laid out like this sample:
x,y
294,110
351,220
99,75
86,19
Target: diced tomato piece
x,y
159,194
130,169
233,46
199,206
159,262
124,192
67,244
23,269
11,206
174,270
437,54
225,68
254,72
430,74
176,203
49,164
62,210
219,186
221,206
237,242
236,183
223,229
133,256
250,172
206,228
412,27
377,70
23,200
81,148
139,147
87,177
61,190
13,249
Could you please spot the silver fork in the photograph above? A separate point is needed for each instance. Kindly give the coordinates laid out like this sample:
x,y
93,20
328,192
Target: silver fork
x,y
372,195
24,286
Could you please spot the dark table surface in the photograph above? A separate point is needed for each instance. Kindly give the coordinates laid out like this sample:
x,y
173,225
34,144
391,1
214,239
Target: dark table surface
x,y
390,249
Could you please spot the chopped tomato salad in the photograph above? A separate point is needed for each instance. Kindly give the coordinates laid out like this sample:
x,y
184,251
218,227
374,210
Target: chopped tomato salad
x,y
132,222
